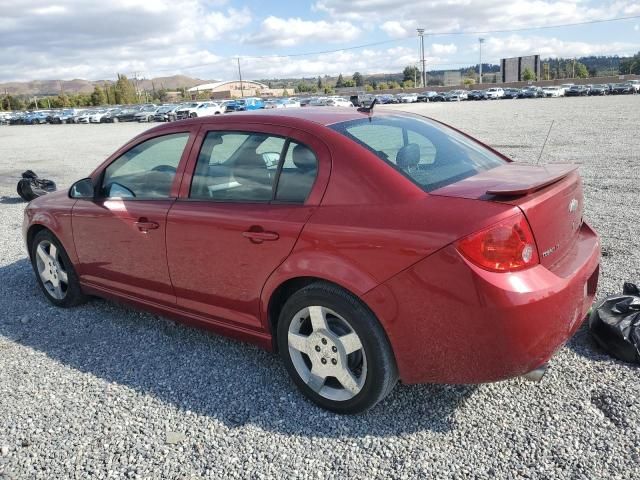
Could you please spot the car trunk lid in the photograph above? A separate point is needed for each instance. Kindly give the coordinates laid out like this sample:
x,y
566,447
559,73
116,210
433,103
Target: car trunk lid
x,y
550,196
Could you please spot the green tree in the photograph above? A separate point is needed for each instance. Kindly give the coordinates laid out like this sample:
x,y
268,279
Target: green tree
x,y
393,84
528,74
349,83
358,79
383,86
320,85
630,65
581,70
408,84
98,97
410,72
368,88
125,92
340,82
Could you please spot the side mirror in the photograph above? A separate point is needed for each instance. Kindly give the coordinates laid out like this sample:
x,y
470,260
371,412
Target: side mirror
x,y
82,189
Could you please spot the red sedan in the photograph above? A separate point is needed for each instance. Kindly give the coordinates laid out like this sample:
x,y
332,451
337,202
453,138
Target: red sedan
x,y
364,248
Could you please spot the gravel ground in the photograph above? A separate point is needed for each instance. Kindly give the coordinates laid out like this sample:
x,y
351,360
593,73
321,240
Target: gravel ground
x,y
103,391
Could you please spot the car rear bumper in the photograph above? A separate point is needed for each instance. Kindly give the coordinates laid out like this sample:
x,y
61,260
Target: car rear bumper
x,y
452,322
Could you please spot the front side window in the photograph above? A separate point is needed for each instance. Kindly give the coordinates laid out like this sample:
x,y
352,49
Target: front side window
x,y
429,154
244,167
147,170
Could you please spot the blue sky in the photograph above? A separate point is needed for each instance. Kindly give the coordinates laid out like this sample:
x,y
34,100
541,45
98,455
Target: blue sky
x,y
65,39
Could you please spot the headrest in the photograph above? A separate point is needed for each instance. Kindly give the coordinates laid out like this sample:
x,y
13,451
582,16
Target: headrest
x,y
303,158
408,156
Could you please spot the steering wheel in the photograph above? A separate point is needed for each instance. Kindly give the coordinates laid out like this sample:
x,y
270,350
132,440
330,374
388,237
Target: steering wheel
x,y
164,169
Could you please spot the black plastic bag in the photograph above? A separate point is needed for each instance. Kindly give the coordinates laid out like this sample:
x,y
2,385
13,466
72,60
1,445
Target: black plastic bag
x,y
615,324
31,186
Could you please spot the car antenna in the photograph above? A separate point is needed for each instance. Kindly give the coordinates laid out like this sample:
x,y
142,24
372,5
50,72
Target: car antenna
x,y
545,142
369,109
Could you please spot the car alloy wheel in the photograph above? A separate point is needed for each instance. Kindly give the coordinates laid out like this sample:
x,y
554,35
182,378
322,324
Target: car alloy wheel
x,y
327,353
52,273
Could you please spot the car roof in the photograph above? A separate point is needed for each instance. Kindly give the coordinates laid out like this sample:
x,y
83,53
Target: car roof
x,y
287,117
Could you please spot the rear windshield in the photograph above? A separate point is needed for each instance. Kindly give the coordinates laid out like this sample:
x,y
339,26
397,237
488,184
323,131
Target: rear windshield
x,y
429,154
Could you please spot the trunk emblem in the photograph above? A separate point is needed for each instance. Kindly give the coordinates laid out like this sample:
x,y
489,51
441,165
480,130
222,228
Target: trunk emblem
x,y
573,205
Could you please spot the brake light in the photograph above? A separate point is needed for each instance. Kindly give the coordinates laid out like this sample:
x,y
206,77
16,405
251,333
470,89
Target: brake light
x,y
505,247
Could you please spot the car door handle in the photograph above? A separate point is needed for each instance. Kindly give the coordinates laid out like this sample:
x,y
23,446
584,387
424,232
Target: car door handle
x,y
260,236
145,225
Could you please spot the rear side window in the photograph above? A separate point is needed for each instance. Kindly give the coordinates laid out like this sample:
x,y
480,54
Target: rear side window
x,y
431,155
253,167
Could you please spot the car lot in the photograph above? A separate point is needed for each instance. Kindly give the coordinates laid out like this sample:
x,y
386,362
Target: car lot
x,y
105,391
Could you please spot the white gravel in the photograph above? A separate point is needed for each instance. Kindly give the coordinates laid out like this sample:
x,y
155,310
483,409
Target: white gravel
x,y
103,391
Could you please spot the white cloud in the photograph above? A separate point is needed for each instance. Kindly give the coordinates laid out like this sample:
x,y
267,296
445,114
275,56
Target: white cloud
x,y
516,45
472,15
440,49
289,32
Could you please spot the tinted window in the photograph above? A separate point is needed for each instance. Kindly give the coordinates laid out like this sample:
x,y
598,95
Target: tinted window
x,y
237,166
147,170
297,175
429,154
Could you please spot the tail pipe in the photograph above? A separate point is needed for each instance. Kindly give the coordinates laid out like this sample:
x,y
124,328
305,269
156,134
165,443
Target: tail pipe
x,y
536,374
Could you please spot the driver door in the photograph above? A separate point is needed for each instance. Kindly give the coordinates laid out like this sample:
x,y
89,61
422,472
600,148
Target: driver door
x,y
120,235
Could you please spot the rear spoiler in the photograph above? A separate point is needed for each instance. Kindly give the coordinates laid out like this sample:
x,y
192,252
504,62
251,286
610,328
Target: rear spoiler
x,y
529,178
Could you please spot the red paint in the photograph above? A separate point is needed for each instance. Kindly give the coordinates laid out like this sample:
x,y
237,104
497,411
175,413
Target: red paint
x,y
365,227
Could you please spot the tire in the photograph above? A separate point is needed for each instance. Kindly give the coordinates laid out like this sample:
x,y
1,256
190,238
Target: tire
x,y
370,368
193,115
71,293
115,120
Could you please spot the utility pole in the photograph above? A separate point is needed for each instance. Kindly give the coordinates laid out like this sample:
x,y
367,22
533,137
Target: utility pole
x,y
422,60
481,40
240,75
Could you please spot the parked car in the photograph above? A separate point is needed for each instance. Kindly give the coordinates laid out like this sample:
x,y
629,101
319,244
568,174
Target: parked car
x,y
146,114
386,99
511,93
531,92
622,89
282,103
84,116
347,275
635,84
599,89
553,91
426,96
339,102
124,115
440,97
97,115
457,96
566,86
409,98
494,93
477,95
250,103
164,113
577,91
64,116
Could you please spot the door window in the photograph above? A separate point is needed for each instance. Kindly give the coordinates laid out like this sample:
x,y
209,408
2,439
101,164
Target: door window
x,y
244,167
237,166
147,170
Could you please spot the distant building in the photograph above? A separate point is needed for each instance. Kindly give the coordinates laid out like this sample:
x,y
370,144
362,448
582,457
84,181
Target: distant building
x,y
512,69
452,78
236,89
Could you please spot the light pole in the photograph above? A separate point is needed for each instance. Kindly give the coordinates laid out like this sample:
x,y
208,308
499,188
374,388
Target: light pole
x,y
481,40
240,75
422,60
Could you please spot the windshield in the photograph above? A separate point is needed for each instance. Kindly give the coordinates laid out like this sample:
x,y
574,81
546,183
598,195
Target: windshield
x,y
429,154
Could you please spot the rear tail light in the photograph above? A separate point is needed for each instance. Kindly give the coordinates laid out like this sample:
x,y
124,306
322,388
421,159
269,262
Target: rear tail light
x,y
505,247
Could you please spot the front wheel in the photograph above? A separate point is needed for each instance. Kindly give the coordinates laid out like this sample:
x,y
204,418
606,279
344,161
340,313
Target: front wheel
x,y
54,271
335,350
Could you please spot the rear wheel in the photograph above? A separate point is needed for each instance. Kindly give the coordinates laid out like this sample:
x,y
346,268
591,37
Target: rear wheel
x,y
335,350
54,271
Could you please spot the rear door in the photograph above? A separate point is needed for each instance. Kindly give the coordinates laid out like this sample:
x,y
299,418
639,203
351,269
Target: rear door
x,y
247,193
120,235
